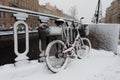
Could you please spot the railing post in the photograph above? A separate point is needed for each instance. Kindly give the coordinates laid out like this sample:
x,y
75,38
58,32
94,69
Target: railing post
x,y
43,19
21,57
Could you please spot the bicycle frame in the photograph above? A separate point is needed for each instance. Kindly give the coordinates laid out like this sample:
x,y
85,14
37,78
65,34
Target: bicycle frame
x,y
70,46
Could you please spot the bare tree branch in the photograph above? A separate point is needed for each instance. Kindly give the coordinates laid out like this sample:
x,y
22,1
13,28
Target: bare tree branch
x,y
73,12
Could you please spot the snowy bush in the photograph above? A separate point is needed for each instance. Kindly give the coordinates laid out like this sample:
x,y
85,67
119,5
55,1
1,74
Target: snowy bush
x,y
104,36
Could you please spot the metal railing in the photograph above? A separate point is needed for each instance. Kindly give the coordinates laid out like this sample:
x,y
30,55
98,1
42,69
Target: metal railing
x,y
21,15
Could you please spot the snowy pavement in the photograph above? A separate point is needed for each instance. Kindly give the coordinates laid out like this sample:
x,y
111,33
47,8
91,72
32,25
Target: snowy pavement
x,y
98,65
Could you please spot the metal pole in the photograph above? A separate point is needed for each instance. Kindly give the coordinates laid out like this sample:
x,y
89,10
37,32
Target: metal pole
x,y
98,11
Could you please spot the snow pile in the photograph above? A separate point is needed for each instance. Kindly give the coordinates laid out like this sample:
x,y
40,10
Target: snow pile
x,y
99,65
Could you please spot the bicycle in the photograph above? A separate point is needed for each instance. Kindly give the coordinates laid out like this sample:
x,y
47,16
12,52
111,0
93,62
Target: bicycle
x,y
59,51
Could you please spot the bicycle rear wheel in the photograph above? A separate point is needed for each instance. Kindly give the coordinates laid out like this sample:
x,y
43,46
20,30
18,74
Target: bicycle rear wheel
x,y
54,61
84,48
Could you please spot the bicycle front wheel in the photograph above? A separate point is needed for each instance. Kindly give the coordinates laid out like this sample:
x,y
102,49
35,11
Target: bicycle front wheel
x,y
85,47
54,57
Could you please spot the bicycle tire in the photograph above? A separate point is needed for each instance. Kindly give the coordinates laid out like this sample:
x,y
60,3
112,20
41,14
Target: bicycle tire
x,y
53,63
84,49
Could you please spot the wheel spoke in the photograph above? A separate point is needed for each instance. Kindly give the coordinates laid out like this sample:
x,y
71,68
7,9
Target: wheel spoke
x,y
54,61
84,49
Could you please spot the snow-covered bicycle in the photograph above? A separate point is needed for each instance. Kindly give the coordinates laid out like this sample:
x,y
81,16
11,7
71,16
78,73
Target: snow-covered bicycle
x,y
59,51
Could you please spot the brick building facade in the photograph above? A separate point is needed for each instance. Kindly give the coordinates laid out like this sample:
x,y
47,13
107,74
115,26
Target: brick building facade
x,y
53,10
7,20
113,12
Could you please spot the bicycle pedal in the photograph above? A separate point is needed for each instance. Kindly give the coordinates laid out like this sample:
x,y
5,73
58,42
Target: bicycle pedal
x,y
42,59
72,57
79,58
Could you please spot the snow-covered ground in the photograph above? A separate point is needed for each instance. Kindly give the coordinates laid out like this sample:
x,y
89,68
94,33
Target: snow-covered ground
x,y
99,65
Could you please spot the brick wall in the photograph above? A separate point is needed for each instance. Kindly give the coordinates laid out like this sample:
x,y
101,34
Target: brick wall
x,y
113,12
7,19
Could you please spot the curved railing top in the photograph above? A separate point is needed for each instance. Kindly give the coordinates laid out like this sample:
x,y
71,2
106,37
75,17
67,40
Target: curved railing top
x,y
33,13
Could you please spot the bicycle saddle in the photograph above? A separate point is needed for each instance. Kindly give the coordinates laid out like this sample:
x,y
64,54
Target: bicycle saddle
x,y
59,21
